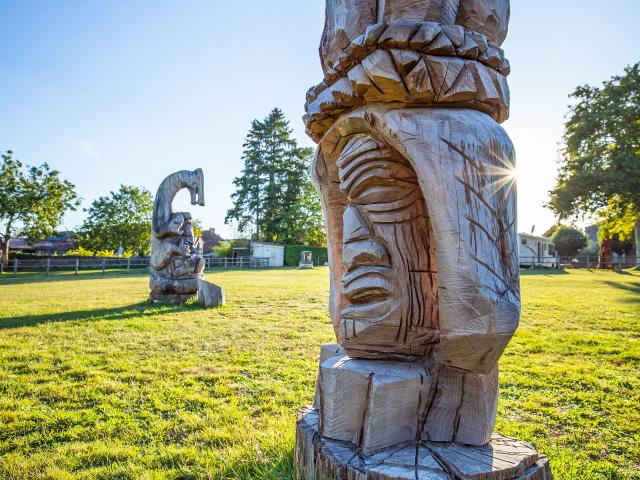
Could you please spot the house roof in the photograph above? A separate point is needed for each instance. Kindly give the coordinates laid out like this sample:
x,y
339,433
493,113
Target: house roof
x,y
536,237
52,244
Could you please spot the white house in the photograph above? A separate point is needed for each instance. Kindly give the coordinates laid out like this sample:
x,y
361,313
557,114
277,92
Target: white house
x,y
272,251
536,251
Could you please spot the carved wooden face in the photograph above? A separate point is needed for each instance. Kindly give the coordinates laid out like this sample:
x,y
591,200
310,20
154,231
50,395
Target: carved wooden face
x,y
420,214
390,274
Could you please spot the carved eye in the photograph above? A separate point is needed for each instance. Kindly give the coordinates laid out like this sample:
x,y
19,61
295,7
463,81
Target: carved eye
x,y
370,173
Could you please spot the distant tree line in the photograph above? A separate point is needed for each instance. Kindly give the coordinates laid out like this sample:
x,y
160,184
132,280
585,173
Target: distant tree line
x,y
32,201
274,200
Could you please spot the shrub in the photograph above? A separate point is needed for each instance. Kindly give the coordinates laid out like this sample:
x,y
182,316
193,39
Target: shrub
x,y
222,250
83,252
568,241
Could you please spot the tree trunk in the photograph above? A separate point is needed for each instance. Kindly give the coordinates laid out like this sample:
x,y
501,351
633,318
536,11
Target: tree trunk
x,y
605,255
637,231
4,245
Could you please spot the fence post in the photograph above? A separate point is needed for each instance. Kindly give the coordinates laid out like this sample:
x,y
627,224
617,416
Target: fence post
x,y
1,267
225,262
48,265
240,262
15,267
104,265
77,265
128,264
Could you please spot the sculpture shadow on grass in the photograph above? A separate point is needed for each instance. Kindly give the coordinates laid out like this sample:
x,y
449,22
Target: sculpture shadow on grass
x,y
629,287
125,312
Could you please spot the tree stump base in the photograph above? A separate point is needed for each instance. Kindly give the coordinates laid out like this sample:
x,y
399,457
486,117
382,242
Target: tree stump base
x,y
320,458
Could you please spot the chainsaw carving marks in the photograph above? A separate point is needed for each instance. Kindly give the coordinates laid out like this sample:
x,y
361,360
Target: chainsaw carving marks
x,y
416,179
429,194
415,63
388,254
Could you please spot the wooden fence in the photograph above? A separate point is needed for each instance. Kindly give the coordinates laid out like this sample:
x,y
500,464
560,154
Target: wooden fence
x,y
618,263
76,265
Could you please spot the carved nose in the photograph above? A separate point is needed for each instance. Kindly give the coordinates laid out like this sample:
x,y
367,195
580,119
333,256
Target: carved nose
x,y
359,245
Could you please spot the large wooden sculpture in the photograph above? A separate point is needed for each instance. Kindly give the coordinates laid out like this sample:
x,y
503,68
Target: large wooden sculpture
x,y
416,180
177,261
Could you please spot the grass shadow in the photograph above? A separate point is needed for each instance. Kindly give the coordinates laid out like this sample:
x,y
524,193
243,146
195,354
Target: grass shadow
x,y
629,287
30,278
137,310
546,272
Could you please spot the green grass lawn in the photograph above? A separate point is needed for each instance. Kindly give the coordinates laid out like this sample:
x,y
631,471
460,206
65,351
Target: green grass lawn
x,y
97,384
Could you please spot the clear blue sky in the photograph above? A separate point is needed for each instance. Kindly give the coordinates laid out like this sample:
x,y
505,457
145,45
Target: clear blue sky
x,y
113,92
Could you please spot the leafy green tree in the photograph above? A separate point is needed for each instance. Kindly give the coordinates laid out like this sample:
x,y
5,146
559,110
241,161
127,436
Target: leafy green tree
x,y
600,168
552,229
271,187
196,226
311,219
568,241
121,220
33,201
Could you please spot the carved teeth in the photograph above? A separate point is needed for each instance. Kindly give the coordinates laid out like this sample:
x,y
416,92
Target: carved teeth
x,y
480,40
418,81
441,46
492,57
360,81
405,60
443,73
425,35
381,70
356,49
372,34
398,33
455,34
464,88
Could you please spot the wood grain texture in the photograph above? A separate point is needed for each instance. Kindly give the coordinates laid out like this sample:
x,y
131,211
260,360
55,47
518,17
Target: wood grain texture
x,y
416,63
177,262
420,207
209,294
345,20
320,458
463,162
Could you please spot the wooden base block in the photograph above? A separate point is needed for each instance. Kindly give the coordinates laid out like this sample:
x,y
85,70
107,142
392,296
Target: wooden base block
x,y
319,458
209,294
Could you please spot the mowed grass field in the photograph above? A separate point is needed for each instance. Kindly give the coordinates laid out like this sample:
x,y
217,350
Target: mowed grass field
x,y
97,384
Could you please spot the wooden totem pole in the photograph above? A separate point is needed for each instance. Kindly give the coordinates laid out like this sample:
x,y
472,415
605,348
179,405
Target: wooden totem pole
x,y
416,179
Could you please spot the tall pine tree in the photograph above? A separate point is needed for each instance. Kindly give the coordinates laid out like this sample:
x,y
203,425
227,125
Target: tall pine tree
x,y
271,196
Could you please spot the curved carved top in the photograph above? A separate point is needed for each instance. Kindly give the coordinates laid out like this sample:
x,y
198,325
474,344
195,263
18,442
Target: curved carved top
x,y
169,188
